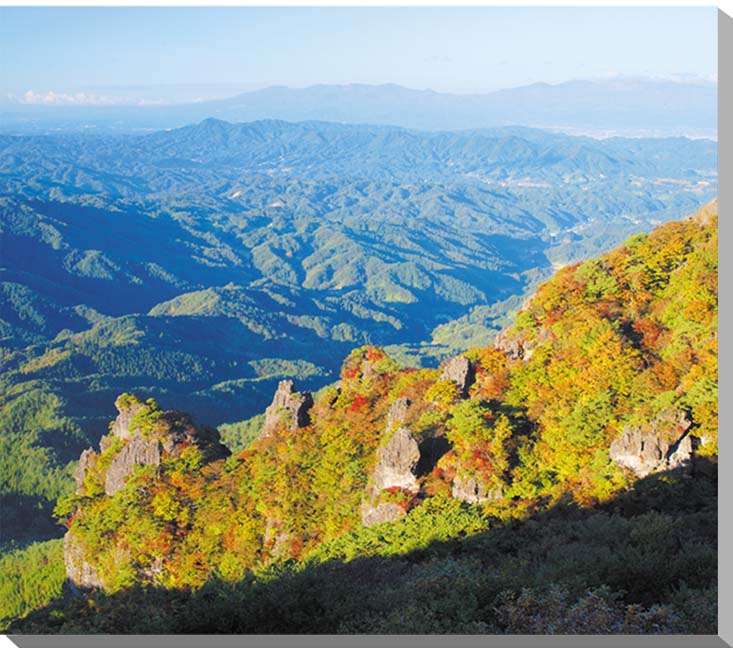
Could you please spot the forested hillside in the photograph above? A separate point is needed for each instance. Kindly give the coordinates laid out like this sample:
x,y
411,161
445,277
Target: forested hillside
x,y
203,265
561,480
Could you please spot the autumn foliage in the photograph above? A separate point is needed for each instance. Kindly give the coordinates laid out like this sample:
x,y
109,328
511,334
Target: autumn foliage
x,y
605,344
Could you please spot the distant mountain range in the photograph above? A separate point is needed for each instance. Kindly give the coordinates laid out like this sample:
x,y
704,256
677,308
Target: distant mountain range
x,y
618,106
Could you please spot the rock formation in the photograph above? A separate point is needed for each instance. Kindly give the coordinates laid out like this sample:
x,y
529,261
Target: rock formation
x,y
397,413
137,452
471,490
173,432
87,460
79,573
143,442
384,512
289,409
396,467
662,445
397,462
460,371
517,346
127,408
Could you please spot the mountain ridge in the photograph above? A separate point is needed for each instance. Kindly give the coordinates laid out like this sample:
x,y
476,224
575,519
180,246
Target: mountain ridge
x,y
601,106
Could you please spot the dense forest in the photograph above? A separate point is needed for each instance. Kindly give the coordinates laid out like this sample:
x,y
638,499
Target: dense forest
x,y
560,480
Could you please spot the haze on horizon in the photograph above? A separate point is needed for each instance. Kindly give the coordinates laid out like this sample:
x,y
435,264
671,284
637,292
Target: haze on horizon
x,y
149,56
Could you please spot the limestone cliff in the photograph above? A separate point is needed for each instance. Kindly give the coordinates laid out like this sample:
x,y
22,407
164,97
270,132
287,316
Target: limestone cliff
x,y
289,409
141,435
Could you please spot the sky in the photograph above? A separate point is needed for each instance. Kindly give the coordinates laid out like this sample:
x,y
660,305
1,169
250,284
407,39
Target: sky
x,y
147,55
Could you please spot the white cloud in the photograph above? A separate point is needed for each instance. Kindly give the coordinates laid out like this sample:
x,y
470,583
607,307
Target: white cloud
x,y
52,98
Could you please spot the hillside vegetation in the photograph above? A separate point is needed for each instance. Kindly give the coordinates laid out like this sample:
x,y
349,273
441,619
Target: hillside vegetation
x,y
203,265
563,480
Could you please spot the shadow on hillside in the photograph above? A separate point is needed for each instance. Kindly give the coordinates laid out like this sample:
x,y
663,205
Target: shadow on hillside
x,y
27,518
654,545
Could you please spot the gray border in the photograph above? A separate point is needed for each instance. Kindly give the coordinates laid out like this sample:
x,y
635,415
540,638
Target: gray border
x,y
725,530
725,198
401,641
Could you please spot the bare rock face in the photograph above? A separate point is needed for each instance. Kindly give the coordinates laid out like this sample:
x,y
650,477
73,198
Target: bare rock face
x,y
384,512
174,432
460,371
397,462
663,445
137,452
471,490
681,455
79,572
288,408
87,460
397,413
127,408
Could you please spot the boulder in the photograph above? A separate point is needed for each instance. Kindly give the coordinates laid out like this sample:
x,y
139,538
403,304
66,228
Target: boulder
x,y
460,371
289,409
661,445
397,461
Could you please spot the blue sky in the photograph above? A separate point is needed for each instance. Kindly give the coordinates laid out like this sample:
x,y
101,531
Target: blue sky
x,y
183,53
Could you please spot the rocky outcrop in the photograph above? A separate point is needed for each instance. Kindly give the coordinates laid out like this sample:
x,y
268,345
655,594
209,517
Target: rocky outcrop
x,y
127,407
511,346
141,441
460,371
289,409
174,431
471,490
79,573
384,512
397,413
137,452
397,462
662,445
517,346
86,461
